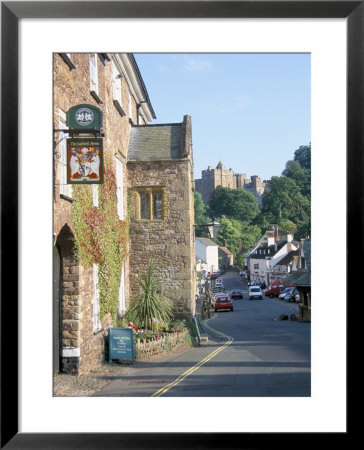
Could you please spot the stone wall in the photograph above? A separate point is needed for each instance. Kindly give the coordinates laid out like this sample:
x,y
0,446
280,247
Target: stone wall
x,y
145,349
169,241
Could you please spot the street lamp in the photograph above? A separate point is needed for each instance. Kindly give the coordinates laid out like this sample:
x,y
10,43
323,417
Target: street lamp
x,y
213,227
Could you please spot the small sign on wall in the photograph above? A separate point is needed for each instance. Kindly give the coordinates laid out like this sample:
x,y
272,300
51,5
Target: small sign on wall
x,y
85,161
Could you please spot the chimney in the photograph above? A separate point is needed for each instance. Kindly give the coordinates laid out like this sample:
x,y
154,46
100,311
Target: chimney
x,y
276,231
225,243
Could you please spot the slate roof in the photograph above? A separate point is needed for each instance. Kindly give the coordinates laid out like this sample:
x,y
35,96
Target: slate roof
x,y
300,277
264,247
155,142
288,258
206,241
225,250
307,252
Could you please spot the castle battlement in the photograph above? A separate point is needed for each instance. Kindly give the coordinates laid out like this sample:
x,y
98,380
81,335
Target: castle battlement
x,y
211,178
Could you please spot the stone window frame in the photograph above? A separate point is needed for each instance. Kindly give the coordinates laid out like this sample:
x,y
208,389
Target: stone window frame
x,y
150,190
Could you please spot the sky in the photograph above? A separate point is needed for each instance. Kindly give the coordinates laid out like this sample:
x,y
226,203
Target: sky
x,y
249,111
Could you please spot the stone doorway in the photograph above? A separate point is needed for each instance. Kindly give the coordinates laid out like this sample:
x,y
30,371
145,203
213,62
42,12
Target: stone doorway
x,y
66,292
56,309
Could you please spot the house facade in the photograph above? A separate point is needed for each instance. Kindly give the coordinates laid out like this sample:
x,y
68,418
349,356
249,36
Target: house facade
x,y
207,251
160,174
96,253
272,258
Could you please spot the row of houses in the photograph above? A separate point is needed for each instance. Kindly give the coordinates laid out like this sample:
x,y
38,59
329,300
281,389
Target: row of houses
x,y
279,257
108,229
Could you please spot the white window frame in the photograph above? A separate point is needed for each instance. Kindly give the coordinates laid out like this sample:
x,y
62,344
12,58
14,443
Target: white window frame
x,y
96,299
122,302
130,107
119,170
95,195
116,84
94,82
64,188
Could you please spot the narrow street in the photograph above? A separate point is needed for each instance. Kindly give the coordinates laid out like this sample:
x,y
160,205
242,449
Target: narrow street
x,y
250,353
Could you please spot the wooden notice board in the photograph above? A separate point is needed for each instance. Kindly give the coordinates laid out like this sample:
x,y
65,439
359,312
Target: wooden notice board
x,y
121,345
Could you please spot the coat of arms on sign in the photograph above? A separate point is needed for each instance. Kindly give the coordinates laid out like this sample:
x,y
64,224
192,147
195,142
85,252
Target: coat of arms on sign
x,y
85,161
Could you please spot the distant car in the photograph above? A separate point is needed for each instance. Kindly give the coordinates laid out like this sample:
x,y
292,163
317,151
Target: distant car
x,y
218,290
219,284
215,275
223,302
236,293
255,293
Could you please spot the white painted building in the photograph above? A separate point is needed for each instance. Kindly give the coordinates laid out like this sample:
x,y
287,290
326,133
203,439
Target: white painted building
x,y
265,258
207,251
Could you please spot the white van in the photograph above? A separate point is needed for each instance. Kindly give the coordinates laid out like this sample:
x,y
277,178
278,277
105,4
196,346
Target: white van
x,y
255,292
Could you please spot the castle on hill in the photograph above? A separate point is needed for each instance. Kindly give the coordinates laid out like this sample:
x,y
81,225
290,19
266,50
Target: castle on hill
x,y
220,176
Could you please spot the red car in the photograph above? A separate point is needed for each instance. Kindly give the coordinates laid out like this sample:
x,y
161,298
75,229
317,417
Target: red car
x,y
223,302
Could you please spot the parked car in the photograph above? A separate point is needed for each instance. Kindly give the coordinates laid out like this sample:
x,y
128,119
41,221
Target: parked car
x,y
223,302
218,290
236,293
275,289
217,294
284,292
255,293
292,295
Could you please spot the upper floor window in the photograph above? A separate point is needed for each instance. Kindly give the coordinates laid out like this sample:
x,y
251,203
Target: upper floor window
x,y
151,203
116,90
94,81
67,59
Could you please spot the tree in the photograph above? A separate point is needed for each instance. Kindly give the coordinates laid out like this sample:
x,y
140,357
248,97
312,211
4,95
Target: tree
x,y
285,201
302,177
201,217
303,156
287,226
240,236
234,203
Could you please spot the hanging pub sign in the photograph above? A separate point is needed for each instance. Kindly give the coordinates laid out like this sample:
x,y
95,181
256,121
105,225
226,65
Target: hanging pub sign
x,y
84,117
85,161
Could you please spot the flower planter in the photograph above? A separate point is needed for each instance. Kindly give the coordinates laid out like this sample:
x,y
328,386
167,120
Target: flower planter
x,y
145,348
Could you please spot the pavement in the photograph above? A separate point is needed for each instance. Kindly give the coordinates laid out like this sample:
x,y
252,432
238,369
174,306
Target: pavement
x,y
85,385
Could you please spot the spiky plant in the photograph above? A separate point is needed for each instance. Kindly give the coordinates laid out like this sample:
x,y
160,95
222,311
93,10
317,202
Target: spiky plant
x,y
149,306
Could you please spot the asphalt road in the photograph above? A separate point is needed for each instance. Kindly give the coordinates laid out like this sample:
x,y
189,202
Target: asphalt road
x,y
250,353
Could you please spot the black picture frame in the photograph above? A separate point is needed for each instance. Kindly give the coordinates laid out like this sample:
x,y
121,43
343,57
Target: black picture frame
x,y
11,12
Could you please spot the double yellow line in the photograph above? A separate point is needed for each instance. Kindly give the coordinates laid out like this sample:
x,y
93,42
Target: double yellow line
x,y
190,371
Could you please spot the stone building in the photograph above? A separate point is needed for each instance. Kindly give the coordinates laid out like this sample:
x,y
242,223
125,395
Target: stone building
x,y
113,84
220,176
160,174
